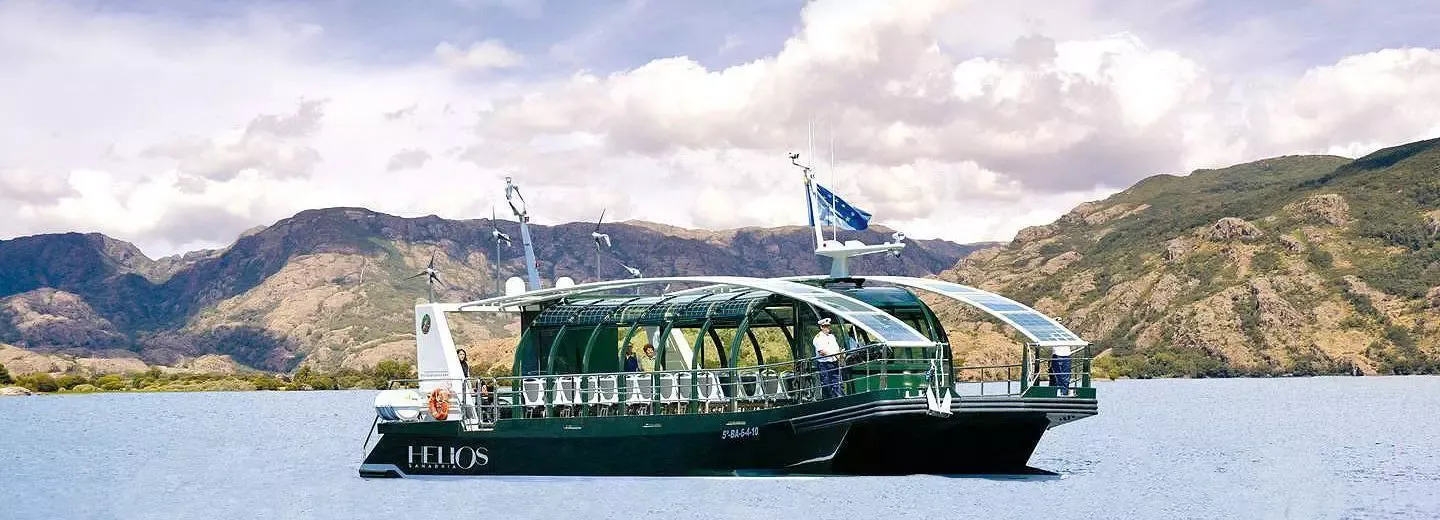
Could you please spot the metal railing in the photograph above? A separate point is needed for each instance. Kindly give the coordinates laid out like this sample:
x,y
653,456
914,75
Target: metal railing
x,y
1067,372
989,380
485,400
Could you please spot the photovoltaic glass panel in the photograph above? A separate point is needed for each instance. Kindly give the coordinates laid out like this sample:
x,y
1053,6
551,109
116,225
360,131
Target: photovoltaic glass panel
x,y
1040,327
995,303
1029,322
887,327
845,303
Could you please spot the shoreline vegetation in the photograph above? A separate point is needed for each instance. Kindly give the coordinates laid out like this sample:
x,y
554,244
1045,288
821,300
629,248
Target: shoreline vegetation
x,y
156,380
378,377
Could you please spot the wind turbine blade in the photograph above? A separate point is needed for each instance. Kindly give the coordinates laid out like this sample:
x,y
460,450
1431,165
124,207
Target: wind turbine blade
x,y
432,260
416,275
435,278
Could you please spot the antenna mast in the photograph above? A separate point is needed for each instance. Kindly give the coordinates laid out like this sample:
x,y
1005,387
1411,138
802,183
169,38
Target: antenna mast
x,y
834,233
522,213
810,200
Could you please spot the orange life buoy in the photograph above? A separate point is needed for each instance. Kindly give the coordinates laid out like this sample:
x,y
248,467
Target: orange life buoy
x,y
440,404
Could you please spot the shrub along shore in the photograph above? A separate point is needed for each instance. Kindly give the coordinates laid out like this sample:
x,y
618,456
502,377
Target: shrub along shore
x,y
156,380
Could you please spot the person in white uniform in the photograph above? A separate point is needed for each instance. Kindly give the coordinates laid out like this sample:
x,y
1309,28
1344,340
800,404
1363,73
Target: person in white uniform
x,y
827,352
1060,368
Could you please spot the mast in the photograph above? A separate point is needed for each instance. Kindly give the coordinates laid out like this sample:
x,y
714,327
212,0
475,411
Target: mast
x,y
834,231
499,284
810,195
838,253
522,213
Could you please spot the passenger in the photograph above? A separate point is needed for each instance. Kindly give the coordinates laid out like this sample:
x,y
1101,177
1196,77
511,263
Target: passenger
x,y
464,363
827,352
1060,369
631,364
647,361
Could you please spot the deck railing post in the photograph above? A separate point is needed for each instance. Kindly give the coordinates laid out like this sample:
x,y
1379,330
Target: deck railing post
x,y
1024,368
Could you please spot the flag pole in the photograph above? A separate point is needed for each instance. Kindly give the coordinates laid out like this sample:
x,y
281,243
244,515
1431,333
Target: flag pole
x,y
834,232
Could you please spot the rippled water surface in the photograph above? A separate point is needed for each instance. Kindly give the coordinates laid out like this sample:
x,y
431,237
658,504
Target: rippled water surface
x,y
1240,448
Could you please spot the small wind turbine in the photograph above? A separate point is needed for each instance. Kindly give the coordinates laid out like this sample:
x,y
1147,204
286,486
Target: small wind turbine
x,y
634,273
432,278
499,238
602,241
899,238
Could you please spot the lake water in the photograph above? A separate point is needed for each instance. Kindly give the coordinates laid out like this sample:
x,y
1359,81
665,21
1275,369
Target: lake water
x,y
1237,448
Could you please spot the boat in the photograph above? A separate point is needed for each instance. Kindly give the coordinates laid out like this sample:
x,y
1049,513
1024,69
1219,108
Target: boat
x,y
736,386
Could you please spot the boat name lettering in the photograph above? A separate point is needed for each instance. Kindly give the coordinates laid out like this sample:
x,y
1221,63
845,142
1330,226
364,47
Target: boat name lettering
x,y
740,433
446,457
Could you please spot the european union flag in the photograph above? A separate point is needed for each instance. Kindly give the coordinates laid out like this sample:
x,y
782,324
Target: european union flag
x,y
836,212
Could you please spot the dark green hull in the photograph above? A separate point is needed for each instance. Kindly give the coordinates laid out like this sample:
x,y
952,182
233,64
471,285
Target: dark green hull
x,y
876,433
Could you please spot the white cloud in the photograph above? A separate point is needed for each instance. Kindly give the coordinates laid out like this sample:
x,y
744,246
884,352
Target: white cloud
x,y
407,159
32,187
179,134
488,54
271,145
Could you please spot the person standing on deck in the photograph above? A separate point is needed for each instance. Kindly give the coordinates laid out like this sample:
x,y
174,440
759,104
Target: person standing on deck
x,y
631,363
647,360
1060,369
464,363
827,352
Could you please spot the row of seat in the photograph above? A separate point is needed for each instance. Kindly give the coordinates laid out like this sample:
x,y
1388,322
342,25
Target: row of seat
x,y
641,389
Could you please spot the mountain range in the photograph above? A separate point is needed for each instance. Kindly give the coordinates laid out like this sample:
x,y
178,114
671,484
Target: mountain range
x,y
1289,265
1292,265
331,288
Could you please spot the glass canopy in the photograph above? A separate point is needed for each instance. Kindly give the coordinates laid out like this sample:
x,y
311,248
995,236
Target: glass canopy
x,y
1039,328
880,325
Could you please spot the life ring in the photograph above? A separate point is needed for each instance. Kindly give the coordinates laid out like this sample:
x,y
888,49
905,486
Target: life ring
x,y
440,404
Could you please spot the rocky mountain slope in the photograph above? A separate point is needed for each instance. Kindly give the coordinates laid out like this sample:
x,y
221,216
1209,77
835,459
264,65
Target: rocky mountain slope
x,y
1290,265
328,288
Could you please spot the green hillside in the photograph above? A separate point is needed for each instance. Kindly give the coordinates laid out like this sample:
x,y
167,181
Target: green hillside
x,y
1290,265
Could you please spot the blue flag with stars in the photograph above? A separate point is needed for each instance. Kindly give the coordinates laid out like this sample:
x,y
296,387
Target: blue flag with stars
x,y
834,211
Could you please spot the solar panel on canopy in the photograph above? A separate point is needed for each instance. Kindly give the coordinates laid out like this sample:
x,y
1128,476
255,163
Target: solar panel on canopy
x,y
1035,325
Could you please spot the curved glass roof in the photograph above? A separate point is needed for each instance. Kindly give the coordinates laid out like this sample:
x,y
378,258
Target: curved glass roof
x,y
880,325
652,309
1039,328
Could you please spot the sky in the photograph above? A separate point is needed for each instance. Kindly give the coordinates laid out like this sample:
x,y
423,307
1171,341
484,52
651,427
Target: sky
x,y
178,125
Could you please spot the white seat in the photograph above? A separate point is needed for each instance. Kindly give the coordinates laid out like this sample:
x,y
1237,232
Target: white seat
x,y
709,388
588,393
775,387
566,391
532,392
669,388
640,388
687,391
606,390
749,386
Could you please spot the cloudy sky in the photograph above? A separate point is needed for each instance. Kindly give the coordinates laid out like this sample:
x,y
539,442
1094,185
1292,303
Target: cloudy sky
x,y
176,125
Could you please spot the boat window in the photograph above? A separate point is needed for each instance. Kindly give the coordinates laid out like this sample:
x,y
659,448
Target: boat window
x,y
772,347
675,352
918,322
